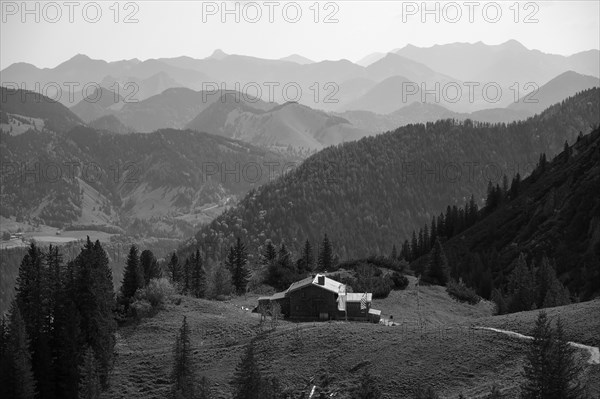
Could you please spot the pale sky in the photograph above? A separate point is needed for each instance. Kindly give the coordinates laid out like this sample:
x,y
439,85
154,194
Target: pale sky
x,y
196,29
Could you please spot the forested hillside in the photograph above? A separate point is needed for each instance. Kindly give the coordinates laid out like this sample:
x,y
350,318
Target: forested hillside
x,y
548,222
370,194
90,177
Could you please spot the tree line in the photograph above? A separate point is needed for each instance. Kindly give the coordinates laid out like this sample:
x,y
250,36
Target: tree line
x,y
59,336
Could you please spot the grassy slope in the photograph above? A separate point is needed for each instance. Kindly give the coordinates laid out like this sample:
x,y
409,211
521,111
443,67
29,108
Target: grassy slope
x,y
581,320
453,361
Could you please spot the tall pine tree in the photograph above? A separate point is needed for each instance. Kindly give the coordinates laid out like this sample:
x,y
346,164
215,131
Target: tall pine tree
x,y
325,261
17,376
183,372
132,276
247,379
437,269
239,273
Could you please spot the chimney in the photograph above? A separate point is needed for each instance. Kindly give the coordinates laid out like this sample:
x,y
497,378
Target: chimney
x,y
321,280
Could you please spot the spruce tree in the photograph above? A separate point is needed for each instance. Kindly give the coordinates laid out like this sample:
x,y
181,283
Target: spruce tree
x,y
18,379
89,385
149,266
198,276
240,274
174,268
551,370
132,276
307,259
247,378
269,253
230,259
521,286
182,374
325,261
33,296
437,269
94,299
566,367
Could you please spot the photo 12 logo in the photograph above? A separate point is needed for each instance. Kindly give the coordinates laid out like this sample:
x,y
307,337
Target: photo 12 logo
x,y
471,92
470,11
72,92
70,11
252,92
253,12
51,172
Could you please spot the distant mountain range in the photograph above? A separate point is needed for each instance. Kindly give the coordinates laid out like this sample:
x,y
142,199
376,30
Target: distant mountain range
x,y
504,63
290,124
235,115
342,81
558,89
160,183
370,194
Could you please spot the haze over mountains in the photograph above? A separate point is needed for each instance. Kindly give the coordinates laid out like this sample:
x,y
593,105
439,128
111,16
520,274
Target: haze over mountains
x,y
328,85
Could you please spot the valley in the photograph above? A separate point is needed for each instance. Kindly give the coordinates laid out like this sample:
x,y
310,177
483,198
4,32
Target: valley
x,y
337,201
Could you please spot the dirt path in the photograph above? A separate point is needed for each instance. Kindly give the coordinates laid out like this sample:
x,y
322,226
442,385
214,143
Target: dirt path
x,y
593,351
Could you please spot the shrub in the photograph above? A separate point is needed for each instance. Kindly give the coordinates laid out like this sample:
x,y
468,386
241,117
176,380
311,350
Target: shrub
x,y
462,293
140,308
158,291
400,281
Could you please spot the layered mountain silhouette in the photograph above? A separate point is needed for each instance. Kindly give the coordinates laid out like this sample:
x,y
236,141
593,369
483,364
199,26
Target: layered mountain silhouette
x,y
504,63
458,63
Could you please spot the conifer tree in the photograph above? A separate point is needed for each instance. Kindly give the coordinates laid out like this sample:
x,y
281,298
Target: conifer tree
x,y
247,378
182,374
33,300
174,268
240,274
89,385
198,276
551,369
521,286
132,276
405,251
230,259
17,375
149,266
325,261
94,299
437,269
269,253
566,367
307,260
